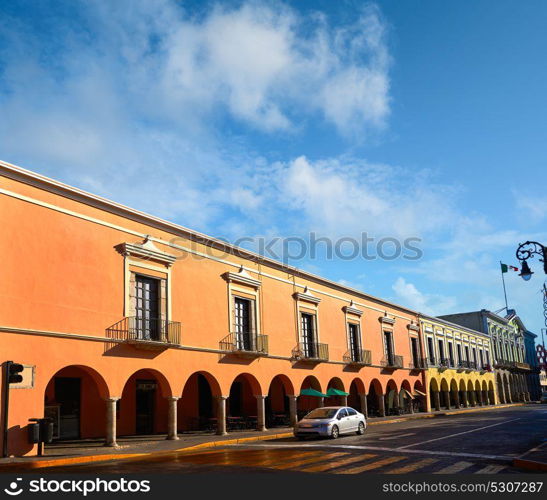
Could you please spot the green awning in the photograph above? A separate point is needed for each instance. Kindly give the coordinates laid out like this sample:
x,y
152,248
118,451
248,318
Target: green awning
x,y
336,392
312,392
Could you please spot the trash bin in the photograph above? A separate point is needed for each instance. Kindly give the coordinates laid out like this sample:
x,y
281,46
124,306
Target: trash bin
x,y
34,433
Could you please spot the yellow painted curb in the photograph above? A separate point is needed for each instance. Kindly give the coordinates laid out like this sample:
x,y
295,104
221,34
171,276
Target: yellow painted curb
x,y
56,462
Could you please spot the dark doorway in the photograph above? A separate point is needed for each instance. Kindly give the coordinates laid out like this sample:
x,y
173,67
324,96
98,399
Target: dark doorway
x,y
236,394
68,396
205,401
145,398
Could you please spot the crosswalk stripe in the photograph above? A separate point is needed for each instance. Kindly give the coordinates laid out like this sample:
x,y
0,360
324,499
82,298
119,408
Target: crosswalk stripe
x,y
491,469
373,465
413,466
282,459
319,458
338,463
457,467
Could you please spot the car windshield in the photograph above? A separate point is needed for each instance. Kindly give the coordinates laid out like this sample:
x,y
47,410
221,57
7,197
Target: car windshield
x,y
322,413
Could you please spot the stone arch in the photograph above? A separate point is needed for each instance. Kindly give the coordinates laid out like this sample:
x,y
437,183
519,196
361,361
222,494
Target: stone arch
x,y
335,383
356,390
242,401
143,406
277,403
375,399
197,408
308,403
392,397
79,392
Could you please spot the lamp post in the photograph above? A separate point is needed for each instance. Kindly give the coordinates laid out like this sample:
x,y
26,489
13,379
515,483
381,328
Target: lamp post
x,y
526,251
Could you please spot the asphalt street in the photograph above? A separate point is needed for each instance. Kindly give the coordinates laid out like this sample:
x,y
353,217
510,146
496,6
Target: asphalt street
x,y
475,442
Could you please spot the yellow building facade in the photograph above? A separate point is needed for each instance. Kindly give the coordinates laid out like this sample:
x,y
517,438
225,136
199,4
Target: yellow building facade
x,y
459,370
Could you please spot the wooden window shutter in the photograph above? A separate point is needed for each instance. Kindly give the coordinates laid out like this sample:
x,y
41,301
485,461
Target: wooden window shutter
x,y
132,294
163,299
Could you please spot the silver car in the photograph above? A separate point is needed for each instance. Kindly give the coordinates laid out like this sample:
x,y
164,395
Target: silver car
x,y
331,421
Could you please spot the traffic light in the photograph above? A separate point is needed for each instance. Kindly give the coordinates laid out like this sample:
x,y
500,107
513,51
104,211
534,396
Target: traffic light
x,y
14,370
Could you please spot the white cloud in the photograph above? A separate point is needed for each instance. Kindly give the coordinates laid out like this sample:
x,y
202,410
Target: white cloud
x,y
343,196
410,296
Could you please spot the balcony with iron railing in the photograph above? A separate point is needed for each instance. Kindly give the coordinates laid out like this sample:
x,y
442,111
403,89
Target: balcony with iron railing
x,y
417,363
517,366
311,351
432,362
503,364
392,361
245,344
145,331
358,357
467,366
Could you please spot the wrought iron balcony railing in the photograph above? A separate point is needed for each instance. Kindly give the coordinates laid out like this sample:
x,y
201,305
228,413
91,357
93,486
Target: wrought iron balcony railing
x,y
431,362
418,364
358,357
311,351
502,363
467,365
520,367
138,329
392,361
245,343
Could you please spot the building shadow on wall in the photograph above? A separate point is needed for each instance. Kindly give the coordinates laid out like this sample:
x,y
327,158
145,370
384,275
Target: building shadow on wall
x,y
130,351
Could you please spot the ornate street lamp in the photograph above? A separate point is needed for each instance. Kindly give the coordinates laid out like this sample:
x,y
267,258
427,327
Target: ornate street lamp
x,y
526,251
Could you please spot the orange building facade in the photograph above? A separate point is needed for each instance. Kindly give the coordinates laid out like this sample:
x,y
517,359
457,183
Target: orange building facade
x,y
127,324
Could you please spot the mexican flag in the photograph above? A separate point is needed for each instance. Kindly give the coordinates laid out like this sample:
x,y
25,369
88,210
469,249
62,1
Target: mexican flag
x,y
505,268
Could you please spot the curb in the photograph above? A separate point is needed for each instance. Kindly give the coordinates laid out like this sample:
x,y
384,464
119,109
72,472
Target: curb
x,y
524,463
529,464
88,459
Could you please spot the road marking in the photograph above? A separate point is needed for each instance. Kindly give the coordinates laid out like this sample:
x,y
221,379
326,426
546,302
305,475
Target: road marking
x,y
413,466
491,469
283,459
371,466
397,436
298,463
339,463
454,468
458,434
391,450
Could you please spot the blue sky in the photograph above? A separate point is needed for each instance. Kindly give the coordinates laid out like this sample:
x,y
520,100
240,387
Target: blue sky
x,y
262,119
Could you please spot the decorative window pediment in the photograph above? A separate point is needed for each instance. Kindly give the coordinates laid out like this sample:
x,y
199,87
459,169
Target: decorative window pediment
x,y
413,327
387,320
307,296
242,277
351,309
148,251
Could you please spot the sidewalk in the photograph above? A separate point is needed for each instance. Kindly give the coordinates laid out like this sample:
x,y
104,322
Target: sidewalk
x,y
93,450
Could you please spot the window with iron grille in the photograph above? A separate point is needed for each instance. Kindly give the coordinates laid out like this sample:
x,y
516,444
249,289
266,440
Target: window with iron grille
x,y
244,323
147,307
430,349
354,341
308,334
451,353
415,351
388,347
441,350
459,348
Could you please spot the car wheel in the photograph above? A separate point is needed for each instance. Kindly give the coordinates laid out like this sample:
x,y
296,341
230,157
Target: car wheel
x,y
361,429
334,433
